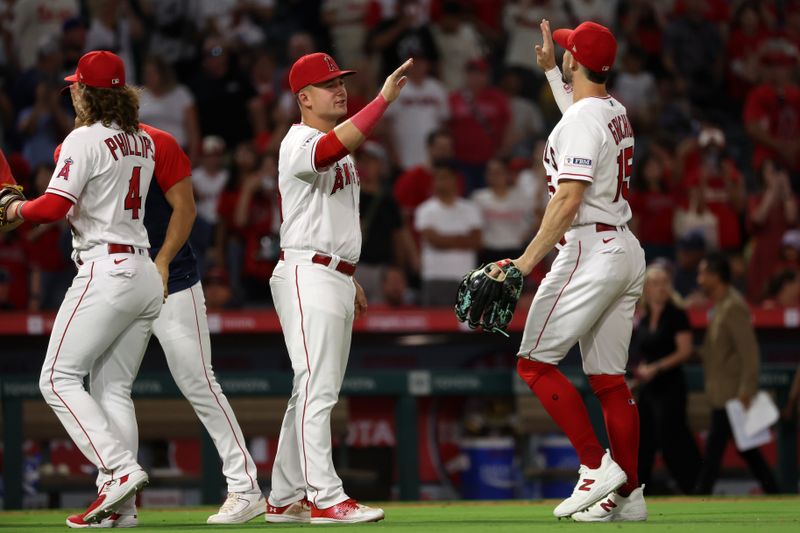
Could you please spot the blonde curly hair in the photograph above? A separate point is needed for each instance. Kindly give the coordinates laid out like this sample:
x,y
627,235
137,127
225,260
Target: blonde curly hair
x,y
117,106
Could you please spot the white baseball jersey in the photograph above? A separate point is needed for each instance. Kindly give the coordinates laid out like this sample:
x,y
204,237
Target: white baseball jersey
x,y
319,207
120,168
593,142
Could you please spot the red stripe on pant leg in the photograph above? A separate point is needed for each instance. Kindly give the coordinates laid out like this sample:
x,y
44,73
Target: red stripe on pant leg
x,y
308,379
546,320
216,397
53,369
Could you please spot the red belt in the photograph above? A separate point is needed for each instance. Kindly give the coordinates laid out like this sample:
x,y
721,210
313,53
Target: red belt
x,y
324,259
121,249
597,227
116,249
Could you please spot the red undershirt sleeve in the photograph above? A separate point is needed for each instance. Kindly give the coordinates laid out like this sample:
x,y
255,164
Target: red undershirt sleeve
x,y
329,150
46,209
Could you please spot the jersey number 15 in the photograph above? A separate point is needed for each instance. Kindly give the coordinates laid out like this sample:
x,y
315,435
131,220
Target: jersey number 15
x,y
624,172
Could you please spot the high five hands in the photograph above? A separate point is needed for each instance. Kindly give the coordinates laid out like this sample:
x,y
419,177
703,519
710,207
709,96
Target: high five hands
x,y
545,52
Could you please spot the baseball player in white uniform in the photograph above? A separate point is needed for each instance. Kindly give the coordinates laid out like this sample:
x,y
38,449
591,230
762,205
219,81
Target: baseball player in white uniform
x,y
182,331
315,294
103,173
592,288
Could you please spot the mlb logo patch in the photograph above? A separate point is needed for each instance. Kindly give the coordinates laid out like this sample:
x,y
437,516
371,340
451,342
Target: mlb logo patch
x,y
578,161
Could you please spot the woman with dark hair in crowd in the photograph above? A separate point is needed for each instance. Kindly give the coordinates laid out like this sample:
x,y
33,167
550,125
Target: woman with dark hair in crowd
x,y
664,342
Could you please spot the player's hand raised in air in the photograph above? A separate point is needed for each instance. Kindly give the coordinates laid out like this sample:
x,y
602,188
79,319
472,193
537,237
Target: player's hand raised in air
x,y
396,81
545,52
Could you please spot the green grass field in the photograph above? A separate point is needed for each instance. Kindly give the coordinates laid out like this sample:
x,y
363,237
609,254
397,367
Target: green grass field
x,y
714,515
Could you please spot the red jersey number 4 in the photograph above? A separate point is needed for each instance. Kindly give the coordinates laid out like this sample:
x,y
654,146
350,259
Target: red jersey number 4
x,y
133,199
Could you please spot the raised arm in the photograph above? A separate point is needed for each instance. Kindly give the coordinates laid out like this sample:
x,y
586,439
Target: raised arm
x,y
349,135
546,59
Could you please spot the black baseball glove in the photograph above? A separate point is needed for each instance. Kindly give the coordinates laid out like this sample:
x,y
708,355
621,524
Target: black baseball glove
x,y
8,195
489,302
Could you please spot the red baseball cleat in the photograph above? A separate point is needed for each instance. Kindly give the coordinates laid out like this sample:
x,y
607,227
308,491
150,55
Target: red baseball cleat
x,y
346,512
113,494
76,521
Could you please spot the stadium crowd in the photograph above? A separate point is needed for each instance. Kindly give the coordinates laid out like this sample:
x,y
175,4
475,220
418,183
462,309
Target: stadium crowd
x,y
453,175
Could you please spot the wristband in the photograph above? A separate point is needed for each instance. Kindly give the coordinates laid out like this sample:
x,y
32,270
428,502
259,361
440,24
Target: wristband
x,y
366,119
18,210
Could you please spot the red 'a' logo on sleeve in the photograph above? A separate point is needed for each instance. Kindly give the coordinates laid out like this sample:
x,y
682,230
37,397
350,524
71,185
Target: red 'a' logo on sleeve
x,y
64,172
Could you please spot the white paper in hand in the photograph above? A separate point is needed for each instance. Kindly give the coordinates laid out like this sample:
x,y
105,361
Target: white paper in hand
x,y
762,414
740,421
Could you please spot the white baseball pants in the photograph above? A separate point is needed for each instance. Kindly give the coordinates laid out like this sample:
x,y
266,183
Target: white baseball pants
x,y
589,296
102,329
315,307
182,331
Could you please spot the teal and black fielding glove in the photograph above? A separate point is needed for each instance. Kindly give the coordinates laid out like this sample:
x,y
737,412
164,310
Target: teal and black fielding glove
x,y
487,302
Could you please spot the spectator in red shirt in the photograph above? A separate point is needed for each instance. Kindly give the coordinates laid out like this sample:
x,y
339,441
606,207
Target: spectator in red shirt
x,y
770,212
747,35
47,247
772,109
653,205
710,171
415,185
245,226
642,26
479,122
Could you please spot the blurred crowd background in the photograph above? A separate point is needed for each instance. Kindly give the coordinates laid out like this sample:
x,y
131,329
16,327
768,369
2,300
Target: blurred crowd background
x,y
453,175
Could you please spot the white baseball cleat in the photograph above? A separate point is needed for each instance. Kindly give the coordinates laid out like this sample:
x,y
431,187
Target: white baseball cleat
x,y
616,508
239,507
114,494
346,512
297,512
76,521
593,485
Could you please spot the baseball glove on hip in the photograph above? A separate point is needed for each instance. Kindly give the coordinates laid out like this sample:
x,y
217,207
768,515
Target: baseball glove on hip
x,y
489,302
8,195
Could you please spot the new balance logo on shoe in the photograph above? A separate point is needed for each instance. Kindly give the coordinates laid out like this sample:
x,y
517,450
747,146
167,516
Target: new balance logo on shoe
x,y
608,505
594,485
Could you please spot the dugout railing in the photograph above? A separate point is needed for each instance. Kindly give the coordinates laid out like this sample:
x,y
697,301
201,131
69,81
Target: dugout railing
x,y
405,386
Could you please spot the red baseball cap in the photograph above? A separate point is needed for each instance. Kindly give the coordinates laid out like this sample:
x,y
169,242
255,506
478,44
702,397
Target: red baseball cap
x,y
99,69
592,45
314,68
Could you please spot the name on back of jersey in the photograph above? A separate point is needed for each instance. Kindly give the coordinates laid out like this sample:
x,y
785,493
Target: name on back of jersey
x,y
123,145
620,128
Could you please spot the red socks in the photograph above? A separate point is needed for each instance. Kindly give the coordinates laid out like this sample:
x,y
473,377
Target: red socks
x,y
565,406
622,424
